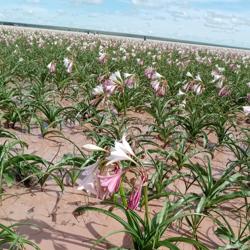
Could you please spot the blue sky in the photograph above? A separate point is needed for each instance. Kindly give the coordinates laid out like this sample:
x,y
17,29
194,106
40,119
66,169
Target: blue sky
x,y
215,21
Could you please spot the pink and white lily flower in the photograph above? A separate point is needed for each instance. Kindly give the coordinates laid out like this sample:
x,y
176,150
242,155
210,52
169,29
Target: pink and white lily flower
x,y
117,82
224,91
155,85
187,87
103,58
135,197
88,179
68,65
218,79
139,61
156,76
111,182
129,80
52,67
197,88
109,86
161,91
159,87
149,72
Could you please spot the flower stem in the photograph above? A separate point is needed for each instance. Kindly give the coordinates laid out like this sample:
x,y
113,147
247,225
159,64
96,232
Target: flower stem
x,y
124,104
123,195
147,217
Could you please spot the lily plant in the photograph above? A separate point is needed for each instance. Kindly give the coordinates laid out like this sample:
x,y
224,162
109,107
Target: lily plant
x,y
106,179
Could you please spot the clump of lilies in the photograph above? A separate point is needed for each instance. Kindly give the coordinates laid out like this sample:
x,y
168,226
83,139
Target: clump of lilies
x,y
158,83
52,67
218,76
219,81
103,58
113,82
68,64
224,91
104,178
193,84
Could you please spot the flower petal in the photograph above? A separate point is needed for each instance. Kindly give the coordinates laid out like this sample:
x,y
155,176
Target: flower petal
x,y
92,147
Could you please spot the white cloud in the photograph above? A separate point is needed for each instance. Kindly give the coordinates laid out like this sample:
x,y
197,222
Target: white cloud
x,y
168,3
159,3
33,1
149,3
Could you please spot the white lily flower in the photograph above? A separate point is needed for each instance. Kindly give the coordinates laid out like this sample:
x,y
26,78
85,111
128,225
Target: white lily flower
x,y
156,76
248,84
66,62
98,90
189,74
183,104
198,78
126,75
221,69
49,65
125,146
116,77
180,93
246,110
219,84
118,155
216,75
118,74
121,152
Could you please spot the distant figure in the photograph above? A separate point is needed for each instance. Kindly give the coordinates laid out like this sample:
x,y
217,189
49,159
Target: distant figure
x,y
144,38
